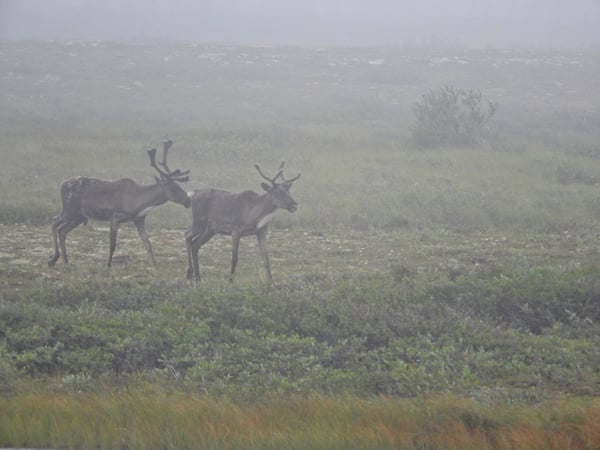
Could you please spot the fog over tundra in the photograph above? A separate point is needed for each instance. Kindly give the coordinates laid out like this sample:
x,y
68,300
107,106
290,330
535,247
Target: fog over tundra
x,y
468,23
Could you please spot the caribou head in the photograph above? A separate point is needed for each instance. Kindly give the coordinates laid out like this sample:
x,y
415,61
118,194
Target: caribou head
x,y
279,193
168,179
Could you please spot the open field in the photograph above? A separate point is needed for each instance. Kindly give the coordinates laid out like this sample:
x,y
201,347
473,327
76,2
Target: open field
x,y
428,280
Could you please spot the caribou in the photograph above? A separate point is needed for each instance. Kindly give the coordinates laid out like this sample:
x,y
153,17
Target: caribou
x,y
116,201
236,214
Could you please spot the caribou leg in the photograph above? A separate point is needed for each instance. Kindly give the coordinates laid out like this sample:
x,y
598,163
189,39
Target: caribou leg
x,y
60,229
140,223
193,242
63,230
235,245
261,236
114,228
56,255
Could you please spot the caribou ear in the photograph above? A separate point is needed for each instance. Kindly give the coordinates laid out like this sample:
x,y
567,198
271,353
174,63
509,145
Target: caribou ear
x,y
265,186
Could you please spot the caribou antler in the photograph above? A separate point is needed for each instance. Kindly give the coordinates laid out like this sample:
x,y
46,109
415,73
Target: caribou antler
x,y
152,156
283,178
291,180
176,175
272,180
279,174
166,146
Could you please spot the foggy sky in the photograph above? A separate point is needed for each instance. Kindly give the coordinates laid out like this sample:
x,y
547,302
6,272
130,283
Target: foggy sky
x,y
469,23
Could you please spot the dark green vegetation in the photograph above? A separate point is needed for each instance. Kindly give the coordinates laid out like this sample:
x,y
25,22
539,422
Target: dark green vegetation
x,y
526,334
464,270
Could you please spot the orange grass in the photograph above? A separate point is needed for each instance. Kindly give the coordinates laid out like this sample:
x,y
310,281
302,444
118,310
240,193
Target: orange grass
x,y
151,419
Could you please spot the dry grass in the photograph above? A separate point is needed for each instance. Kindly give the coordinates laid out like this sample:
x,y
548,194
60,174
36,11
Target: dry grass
x,y
151,419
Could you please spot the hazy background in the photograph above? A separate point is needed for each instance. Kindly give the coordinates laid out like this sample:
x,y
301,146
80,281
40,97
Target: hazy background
x,y
468,23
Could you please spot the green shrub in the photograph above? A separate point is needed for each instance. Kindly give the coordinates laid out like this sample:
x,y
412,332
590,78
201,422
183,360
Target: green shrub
x,y
451,116
402,334
8,372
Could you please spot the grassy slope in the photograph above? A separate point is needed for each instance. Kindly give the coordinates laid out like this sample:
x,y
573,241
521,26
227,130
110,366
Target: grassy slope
x,y
342,117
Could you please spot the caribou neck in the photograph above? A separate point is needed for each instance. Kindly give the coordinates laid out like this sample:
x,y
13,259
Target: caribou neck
x,y
149,196
262,212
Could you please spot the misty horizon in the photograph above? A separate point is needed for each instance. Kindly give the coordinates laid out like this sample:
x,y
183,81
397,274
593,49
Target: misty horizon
x,y
467,23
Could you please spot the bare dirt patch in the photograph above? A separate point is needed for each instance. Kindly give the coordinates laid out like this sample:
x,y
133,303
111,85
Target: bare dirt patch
x,y
24,251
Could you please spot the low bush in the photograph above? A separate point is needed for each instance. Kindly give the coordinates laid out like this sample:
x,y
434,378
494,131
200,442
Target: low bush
x,y
368,336
451,117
